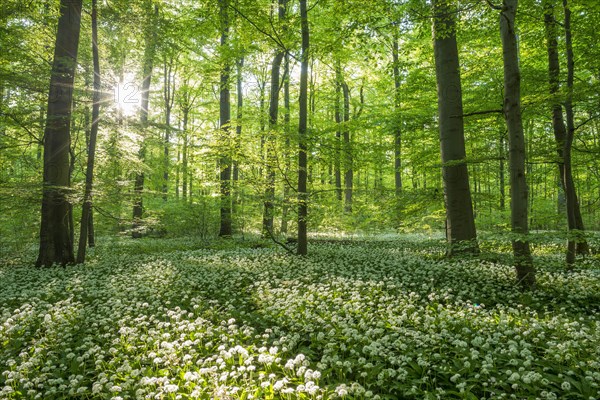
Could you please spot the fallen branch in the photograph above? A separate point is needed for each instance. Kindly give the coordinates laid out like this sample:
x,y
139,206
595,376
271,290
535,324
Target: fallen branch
x,y
289,250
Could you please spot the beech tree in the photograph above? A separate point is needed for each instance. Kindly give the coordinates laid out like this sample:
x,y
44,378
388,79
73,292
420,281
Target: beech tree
x,y
224,122
56,245
460,223
302,125
397,109
147,67
270,141
576,244
516,141
87,212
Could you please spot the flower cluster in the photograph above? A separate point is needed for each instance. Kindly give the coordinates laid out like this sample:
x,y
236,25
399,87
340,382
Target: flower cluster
x,y
371,320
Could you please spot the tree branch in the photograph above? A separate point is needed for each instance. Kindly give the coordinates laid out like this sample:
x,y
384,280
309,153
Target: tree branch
x,y
498,111
276,40
291,251
590,119
494,6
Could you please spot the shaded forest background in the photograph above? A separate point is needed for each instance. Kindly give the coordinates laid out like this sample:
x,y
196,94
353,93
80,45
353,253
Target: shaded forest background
x,y
372,135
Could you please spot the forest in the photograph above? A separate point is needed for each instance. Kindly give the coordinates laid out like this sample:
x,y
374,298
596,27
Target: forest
x,y
299,199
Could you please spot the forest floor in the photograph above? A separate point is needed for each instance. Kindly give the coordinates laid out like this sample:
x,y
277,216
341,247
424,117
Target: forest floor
x,y
377,318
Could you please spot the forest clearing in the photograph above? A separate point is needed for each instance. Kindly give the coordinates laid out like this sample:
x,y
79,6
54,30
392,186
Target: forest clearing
x,y
377,318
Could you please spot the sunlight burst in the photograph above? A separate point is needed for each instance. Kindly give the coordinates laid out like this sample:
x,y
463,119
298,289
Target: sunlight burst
x,y
127,97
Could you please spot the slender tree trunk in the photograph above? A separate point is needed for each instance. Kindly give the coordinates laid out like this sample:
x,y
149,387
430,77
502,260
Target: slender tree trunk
x,y
149,50
398,122
338,131
178,172
191,162
460,226
239,116
267,226
286,121
71,219
42,120
502,155
184,154
577,243
237,199
348,172
225,118
86,213
302,128
56,244
512,112
169,98
261,111
88,133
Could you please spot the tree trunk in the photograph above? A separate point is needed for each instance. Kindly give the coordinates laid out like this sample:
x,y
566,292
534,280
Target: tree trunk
x,y
184,154
56,245
286,120
397,121
348,172
338,131
225,118
461,233
177,172
169,98
502,155
302,128
149,50
267,226
512,113
239,116
86,213
191,162
576,242
262,84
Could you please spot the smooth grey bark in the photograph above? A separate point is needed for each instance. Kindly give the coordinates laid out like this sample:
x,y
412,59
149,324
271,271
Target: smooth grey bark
x,y
239,115
56,242
225,229
169,99
262,85
148,64
302,131
267,227
576,243
460,222
184,159
347,152
187,102
502,156
86,227
516,141
397,110
338,132
286,121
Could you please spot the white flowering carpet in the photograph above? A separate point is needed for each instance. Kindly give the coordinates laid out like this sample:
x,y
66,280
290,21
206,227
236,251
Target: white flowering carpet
x,y
379,319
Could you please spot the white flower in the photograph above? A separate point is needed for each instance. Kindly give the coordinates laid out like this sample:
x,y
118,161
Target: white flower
x,y
278,385
171,388
341,390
